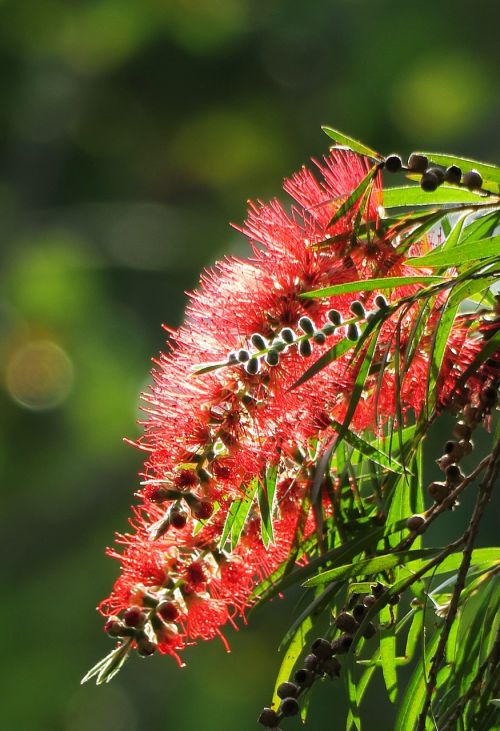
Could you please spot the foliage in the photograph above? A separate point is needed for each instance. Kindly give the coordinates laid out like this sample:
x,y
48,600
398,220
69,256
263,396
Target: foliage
x,y
338,504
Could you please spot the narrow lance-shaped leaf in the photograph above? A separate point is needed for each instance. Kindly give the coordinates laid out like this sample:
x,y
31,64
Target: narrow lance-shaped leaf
x,y
343,140
354,196
294,649
461,254
369,285
388,654
413,195
369,450
237,516
265,495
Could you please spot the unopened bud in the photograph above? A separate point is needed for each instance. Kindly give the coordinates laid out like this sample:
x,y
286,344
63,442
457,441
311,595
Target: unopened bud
x,y
258,341
489,396
332,667
287,335
369,631
177,517
369,600
429,181
358,612
381,302
252,366
304,677
202,509
272,358
335,317
243,355
377,589
305,348
311,662
462,430
341,645
113,627
306,325
145,647
357,308
454,475
353,331
134,617
319,337
167,611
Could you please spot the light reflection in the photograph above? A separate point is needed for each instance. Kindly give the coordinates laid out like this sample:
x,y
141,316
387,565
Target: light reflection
x,y
39,375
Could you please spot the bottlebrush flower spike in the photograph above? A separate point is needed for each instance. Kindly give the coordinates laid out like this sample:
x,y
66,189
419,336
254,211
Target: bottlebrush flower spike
x,y
230,461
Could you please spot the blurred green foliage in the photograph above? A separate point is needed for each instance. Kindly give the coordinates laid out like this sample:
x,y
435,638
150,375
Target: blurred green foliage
x,y
131,132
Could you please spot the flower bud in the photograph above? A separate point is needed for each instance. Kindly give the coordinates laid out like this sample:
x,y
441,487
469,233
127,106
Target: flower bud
x,y
345,622
307,325
269,718
418,163
357,308
113,627
252,366
287,690
167,611
305,348
321,648
258,341
429,181
287,335
319,337
335,317
328,329
289,707
145,647
177,517
453,174
243,355
353,331
472,179
415,522
272,358
393,163
381,302
134,617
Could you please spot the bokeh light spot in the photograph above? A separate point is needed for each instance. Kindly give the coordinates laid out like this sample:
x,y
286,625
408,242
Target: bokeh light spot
x,y
39,375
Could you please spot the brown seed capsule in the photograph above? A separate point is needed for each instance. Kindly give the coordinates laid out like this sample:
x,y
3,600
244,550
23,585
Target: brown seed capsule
x,y
369,600
438,491
473,180
167,611
311,662
444,461
418,163
472,416
429,181
289,707
453,174
113,627
331,667
134,617
466,446
415,522
369,631
377,589
345,622
341,645
304,677
269,718
454,475
145,647
321,648
359,611
462,430
287,690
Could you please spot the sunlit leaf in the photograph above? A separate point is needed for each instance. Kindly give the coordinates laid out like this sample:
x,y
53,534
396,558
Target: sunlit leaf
x,y
461,254
369,285
343,140
354,196
413,195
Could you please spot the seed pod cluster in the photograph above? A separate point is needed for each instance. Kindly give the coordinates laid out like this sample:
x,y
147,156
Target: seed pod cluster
x,y
433,175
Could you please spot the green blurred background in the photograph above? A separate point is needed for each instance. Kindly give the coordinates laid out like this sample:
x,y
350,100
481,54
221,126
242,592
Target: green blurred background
x,y
131,133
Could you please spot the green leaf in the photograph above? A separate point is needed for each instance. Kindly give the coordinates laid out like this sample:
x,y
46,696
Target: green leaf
x,y
110,665
413,195
414,633
294,649
343,140
481,227
368,285
354,196
415,692
265,496
369,450
237,515
388,655
461,254
333,354
371,566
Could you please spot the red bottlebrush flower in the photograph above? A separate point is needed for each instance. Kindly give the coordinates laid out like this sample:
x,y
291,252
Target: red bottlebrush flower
x,y
213,436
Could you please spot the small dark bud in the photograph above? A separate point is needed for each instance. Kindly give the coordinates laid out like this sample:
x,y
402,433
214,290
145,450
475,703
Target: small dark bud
x,y
278,345
341,645
353,331
287,335
134,617
418,163
462,431
289,707
145,647
272,358
415,522
304,677
287,690
345,622
252,366
393,163
453,174
311,662
113,627
305,348
167,611
243,355
321,648
454,475
489,396
258,341
381,302
331,667
306,325
359,611
369,631
438,491
232,357
369,600
320,337
473,180
269,718
429,181
357,308
377,589
335,317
